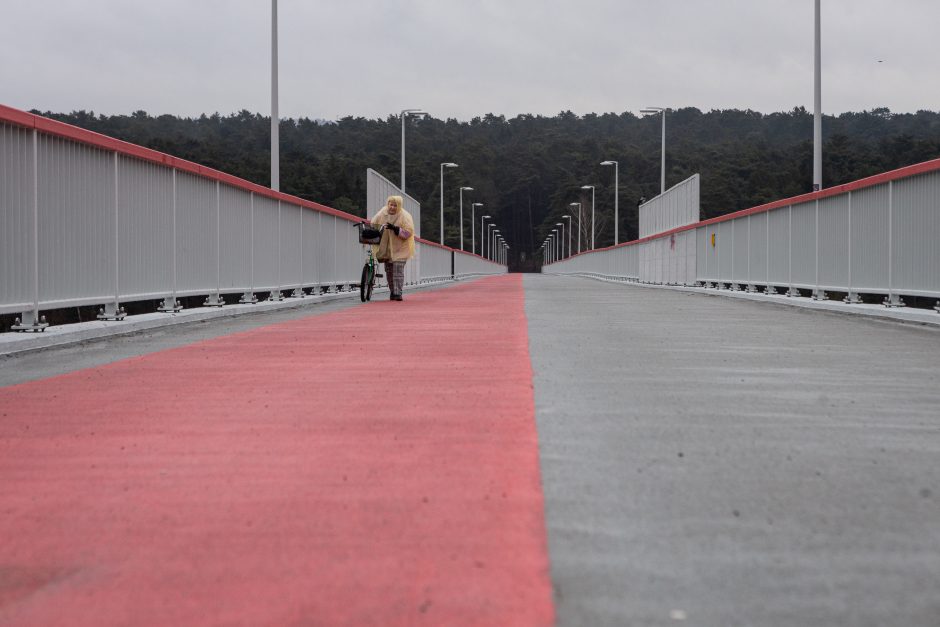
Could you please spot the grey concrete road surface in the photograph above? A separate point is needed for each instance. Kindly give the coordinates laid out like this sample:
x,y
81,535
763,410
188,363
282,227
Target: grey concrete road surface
x,y
714,462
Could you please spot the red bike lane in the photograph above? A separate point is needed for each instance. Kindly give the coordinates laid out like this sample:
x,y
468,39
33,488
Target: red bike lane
x,y
376,465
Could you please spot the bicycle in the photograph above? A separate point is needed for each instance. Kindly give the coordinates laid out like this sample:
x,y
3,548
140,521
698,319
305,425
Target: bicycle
x,y
370,235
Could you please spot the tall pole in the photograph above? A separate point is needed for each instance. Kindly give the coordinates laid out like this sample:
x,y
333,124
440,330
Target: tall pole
x,y
817,118
473,226
568,218
275,120
404,116
616,199
662,167
444,165
578,205
462,189
441,240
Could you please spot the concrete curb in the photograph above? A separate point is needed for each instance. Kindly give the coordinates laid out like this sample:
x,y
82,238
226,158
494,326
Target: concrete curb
x,y
17,344
923,317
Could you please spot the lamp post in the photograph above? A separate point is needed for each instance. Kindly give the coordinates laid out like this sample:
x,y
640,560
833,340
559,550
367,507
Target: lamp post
x,y
591,187
489,248
662,175
473,226
557,243
817,114
569,232
404,114
462,190
493,237
562,225
275,119
444,165
616,199
578,205
482,220
550,243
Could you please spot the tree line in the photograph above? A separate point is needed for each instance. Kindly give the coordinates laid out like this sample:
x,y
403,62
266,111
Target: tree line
x,y
527,169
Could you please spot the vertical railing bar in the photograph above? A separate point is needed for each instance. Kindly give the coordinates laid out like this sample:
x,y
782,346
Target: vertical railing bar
x,y
117,237
790,250
218,240
35,315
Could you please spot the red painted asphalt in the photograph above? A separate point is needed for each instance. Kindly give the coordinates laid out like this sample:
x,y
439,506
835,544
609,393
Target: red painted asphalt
x,y
373,466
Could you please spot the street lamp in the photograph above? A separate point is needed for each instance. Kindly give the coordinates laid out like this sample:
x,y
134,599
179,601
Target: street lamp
x,y
562,225
817,114
275,120
557,243
462,190
482,247
493,237
662,175
578,205
569,232
473,226
591,187
482,220
489,246
550,242
444,165
404,114
616,199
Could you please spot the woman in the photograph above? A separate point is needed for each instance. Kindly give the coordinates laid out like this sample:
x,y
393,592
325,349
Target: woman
x,y
398,243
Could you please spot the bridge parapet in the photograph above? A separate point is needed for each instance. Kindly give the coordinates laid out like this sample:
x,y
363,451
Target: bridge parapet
x,y
879,236
87,219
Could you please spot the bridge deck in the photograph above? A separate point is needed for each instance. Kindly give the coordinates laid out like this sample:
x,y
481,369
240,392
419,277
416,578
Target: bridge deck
x,y
734,462
718,461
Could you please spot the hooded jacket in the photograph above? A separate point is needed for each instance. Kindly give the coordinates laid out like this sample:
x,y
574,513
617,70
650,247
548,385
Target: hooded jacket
x,y
403,244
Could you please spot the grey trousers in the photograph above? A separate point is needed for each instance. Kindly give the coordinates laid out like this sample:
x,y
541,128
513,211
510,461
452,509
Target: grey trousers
x,y
395,275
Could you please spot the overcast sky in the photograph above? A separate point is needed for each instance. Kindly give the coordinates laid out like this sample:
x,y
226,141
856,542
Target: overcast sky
x,y
462,58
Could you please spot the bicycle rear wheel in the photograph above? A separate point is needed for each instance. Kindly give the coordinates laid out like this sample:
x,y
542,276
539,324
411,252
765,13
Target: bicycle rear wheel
x,y
365,283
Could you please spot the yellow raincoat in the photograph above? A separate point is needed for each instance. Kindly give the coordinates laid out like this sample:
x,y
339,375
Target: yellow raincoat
x,y
402,245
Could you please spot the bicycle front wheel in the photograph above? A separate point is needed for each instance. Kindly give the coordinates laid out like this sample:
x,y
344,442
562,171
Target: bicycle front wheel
x,y
365,283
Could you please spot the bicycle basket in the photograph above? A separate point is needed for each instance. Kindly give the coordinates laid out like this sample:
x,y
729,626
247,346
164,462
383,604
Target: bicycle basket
x,y
369,234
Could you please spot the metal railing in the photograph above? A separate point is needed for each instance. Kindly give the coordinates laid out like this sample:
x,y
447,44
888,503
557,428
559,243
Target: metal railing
x,y
89,220
879,235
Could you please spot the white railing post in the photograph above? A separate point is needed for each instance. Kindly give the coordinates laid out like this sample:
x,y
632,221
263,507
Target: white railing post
x,y
818,294
790,291
170,304
249,298
768,289
215,300
299,290
893,300
113,310
31,320
276,292
851,296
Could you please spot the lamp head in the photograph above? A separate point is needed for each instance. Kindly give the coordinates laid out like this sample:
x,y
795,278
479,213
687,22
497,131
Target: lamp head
x,y
569,217
467,189
478,204
608,163
448,165
587,187
651,110
486,217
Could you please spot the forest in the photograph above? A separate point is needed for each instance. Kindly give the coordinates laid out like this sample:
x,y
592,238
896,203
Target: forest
x,y
527,169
